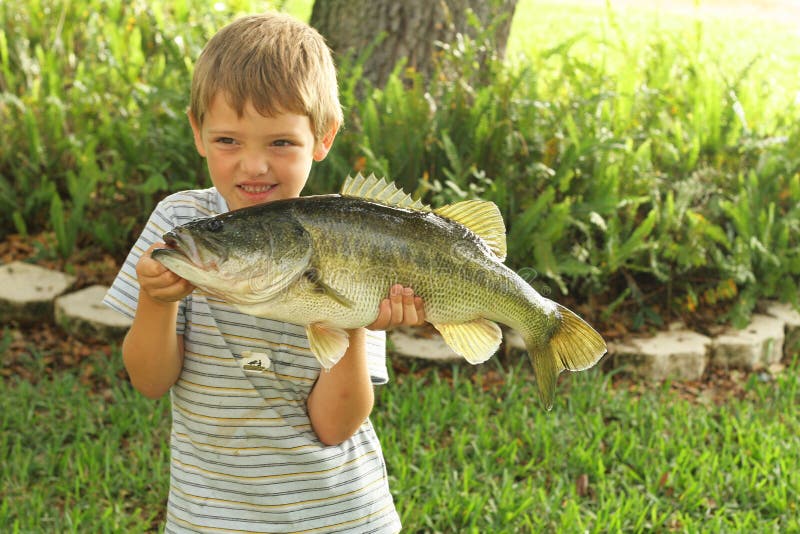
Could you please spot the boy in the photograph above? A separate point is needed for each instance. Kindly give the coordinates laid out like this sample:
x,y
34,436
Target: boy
x,y
272,446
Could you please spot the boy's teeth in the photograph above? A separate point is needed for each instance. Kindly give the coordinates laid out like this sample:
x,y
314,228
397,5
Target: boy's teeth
x,y
256,188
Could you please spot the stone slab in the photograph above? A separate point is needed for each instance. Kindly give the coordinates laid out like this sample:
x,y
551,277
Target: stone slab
x,y
757,346
677,354
84,315
421,343
27,292
514,342
407,342
791,318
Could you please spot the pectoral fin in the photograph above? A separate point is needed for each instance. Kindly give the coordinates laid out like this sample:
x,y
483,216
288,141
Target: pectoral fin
x,y
319,286
328,343
476,340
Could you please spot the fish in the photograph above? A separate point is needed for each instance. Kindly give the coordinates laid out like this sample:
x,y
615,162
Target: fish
x,y
327,261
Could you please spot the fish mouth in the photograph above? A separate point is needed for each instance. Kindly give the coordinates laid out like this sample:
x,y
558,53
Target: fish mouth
x,y
179,244
172,239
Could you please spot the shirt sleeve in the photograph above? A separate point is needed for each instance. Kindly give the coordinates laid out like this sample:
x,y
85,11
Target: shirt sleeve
x,y
376,357
123,295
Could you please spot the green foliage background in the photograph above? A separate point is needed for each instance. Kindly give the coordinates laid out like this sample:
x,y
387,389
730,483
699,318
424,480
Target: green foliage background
x,y
641,166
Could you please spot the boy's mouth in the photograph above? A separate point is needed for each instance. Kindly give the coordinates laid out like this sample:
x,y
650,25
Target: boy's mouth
x,y
256,189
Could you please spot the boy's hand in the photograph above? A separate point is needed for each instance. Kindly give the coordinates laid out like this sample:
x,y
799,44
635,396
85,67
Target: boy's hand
x,y
402,308
158,282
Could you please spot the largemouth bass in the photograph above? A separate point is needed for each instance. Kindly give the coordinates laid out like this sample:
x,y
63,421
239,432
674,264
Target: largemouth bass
x,y
327,261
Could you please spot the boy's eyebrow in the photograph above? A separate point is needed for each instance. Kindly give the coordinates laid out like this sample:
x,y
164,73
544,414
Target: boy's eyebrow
x,y
228,132
222,132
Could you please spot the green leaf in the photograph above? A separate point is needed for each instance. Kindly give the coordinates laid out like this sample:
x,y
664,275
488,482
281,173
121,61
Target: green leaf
x,y
59,225
635,243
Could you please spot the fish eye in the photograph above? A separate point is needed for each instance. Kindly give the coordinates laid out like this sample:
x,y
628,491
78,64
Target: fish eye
x,y
214,225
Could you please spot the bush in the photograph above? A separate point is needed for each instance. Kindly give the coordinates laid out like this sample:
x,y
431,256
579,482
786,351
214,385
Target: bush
x,y
643,176
640,187
92,114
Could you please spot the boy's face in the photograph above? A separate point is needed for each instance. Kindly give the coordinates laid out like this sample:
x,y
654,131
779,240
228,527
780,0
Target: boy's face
x,y
254,159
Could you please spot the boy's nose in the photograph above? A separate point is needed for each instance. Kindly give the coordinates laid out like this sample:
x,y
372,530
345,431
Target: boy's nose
x,y
254,165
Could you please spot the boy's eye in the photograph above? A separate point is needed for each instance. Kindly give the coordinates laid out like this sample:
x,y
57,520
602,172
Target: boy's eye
x,y
282,142
225,140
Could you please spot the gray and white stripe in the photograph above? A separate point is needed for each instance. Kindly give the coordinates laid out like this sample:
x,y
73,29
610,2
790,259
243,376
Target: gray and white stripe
x,y
244,457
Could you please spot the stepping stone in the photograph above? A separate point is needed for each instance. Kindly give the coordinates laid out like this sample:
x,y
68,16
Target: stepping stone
x,y
513,343
758,346
791,318
84,315
407,343
677,354
27,292
412,343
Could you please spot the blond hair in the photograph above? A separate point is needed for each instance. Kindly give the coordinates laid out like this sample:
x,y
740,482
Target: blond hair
x,y
273,61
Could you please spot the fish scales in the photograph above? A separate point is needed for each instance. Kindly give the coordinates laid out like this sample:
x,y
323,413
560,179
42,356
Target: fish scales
x,y
327,261
451,269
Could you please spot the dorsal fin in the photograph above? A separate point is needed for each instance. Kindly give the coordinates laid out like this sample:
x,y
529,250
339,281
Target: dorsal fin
x,y
480,216
483,218
379,190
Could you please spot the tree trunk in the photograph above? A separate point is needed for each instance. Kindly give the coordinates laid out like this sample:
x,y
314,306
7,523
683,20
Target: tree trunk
x,y
408,30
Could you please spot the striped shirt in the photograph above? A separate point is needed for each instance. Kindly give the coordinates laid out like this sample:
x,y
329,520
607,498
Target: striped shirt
x,y
244,457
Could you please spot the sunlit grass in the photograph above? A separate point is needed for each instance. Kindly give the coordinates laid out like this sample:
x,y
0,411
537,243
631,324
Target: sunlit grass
x,y
612,35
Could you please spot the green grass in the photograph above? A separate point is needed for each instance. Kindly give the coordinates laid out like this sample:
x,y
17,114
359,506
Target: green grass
x,y
468,460
76,460
468,450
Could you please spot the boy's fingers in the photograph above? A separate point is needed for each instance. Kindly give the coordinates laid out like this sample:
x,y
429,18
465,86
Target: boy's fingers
x,y
396,301
420,307
409,309
172,291
158,281
381,322
147,266
401,308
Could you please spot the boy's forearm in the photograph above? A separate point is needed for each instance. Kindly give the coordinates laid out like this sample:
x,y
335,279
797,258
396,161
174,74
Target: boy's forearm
x,y
152,351
342,398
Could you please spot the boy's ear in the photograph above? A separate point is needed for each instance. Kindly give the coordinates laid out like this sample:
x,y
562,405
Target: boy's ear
x,y
324,145
198,136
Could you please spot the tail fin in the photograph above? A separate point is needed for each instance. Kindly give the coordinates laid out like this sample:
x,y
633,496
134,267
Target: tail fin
x,y
574,346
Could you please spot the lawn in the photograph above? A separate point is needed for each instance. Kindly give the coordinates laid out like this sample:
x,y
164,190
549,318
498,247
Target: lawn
x,y
468,450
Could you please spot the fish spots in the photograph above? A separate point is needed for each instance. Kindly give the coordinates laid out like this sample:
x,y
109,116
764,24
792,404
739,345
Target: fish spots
x,y
214,225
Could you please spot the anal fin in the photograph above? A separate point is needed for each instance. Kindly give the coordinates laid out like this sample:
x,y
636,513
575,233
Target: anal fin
x,y
476,341
328,343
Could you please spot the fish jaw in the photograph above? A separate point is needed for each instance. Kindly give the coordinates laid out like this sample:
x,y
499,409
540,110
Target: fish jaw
x,y
240,277
202,253
179,263
235,288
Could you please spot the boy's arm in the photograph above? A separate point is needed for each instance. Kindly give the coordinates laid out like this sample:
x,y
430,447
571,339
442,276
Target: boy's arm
x,y
342,398
152,351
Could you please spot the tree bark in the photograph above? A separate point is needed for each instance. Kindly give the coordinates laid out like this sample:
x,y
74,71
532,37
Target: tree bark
x,y
412,30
